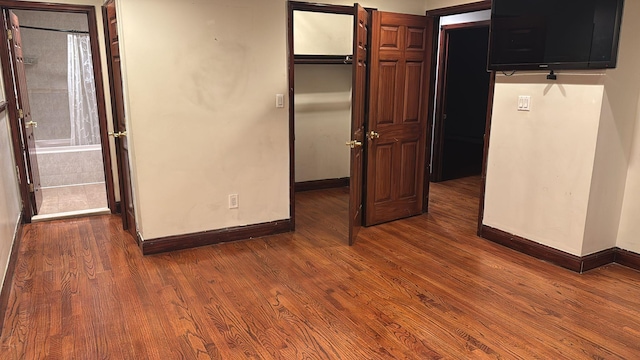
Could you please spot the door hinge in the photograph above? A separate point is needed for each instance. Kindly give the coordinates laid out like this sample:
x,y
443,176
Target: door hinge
x,y
20,114
32,188
10,34
18,175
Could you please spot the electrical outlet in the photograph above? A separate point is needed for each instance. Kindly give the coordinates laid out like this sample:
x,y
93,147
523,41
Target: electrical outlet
x,y
279,100
233,201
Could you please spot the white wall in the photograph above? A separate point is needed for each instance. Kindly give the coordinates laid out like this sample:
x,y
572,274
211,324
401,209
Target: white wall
x,y
615,138
417,7
322,34
10,204
437,4
628,238
201,107
540,162
474,16
623,97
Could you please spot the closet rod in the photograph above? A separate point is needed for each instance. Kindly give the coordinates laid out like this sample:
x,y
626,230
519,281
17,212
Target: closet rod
x,y
57,30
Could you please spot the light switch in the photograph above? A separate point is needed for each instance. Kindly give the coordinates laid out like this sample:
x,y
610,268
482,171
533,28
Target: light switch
x,y
524,103
279,100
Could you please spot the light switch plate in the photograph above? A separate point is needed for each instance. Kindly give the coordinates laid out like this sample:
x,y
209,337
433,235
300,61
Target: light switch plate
x,y
524,103
279,100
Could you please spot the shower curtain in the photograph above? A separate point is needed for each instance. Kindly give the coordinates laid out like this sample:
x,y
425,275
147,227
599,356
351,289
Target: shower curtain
x,y
83,107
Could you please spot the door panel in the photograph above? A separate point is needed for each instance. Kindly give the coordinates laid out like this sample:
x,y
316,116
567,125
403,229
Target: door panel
x,y
390,37
26,124
395,165
383,181
388,71
410,166
415,38
120,126
358,116
414,83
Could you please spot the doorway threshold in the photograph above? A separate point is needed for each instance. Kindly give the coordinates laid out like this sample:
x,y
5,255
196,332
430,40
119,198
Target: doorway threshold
x,y
71,214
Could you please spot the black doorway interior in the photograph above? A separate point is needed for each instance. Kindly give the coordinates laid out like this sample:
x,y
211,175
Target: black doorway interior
x,y
462,115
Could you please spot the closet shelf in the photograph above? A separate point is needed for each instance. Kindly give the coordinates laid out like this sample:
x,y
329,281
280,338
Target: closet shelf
x,y
322,59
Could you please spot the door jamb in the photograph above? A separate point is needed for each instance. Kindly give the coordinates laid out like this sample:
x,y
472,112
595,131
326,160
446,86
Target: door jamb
x,y
310,7
436,14
90,12
485,153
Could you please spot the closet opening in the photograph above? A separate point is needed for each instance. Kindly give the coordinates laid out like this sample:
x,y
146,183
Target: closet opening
x,y
321,77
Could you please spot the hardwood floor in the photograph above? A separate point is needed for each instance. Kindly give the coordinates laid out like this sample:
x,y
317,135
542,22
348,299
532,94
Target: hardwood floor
x,y
420,288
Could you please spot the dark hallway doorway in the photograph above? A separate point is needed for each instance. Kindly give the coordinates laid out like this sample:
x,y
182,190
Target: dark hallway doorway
x,y
462,101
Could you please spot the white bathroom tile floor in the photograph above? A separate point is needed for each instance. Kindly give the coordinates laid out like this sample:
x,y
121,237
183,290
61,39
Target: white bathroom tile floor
x,y
57,200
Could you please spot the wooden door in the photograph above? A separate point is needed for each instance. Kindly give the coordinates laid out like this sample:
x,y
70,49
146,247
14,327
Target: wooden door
x,y
25,122
119,119
358,110
400,66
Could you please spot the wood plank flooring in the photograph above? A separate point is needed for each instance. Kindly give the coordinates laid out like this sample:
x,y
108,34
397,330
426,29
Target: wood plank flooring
x,y
419,288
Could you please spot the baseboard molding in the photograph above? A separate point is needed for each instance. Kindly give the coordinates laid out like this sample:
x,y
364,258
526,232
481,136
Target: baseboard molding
x,y
11,268
628,259
321,184
572,262
188,241
531,248
601,258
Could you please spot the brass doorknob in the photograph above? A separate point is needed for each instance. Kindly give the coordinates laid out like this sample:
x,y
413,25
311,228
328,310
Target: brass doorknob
x,y
118,134
373,135
353,144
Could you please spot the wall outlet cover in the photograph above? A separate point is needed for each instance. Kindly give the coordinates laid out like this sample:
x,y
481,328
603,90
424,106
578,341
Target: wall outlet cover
x,y
233,201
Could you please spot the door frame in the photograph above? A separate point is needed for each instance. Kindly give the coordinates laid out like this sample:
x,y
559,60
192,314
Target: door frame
x,y
291,7
90,12
436,14
116,89
443,63
362,20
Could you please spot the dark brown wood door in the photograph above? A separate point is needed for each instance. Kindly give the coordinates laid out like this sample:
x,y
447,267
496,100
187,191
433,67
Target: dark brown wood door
x,y
358,110
26,124
119,119
400,65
